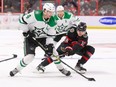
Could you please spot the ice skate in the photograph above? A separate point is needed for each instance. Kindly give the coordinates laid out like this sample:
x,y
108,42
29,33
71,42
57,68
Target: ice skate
x,y
40,68
13,72
65,72
79,68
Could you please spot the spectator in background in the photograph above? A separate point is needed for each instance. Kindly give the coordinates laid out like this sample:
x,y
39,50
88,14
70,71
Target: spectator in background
x,y
12,6
107,7
33,4
30,5
73,9
0,5
27,7
70,5
102,12
85,8
93,6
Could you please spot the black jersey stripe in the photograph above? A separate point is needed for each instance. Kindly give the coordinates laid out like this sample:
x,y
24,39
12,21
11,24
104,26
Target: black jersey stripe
x,y
24,21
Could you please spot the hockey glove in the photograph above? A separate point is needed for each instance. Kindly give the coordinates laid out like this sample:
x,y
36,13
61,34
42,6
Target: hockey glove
x,y
77,46
49,50
28,34
69,50
25,34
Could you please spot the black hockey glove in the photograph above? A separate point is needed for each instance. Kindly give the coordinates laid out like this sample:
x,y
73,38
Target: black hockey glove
x,y
49,50
28,34
25,34
77,46
69,51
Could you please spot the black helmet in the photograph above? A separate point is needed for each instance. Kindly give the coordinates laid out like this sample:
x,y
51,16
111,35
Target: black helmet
x,y
82,26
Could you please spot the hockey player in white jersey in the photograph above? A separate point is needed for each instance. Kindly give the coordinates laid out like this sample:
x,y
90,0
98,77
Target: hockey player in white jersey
x,y
64,20
39,26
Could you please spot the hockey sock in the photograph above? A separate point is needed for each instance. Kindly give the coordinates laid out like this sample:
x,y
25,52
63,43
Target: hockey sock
x,y
46,61
25,61
85,57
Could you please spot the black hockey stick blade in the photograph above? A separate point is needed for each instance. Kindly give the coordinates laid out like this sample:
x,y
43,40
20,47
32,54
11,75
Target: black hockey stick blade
x,y
14,56
91,79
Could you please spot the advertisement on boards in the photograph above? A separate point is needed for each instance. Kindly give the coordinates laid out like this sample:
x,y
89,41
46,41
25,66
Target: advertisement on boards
x,y
10,21
99,22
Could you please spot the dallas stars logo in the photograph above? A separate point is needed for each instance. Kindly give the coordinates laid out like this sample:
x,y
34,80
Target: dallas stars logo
x,y
61,28
38,31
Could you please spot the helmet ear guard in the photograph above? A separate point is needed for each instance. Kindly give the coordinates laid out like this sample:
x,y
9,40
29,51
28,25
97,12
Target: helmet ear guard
x,y
82,26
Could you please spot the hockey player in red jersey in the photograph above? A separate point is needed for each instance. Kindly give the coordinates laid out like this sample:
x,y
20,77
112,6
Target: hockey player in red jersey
x,y
76,42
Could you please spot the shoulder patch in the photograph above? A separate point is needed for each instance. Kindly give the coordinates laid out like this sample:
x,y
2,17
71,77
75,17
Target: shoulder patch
x,y
72,30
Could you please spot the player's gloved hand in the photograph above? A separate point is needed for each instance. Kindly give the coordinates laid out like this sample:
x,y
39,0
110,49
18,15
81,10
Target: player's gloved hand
x,y
77,46
27,34
49,50
69,50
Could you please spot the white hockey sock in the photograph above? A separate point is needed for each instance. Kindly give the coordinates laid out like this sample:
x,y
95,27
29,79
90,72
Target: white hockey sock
x,y
57,62
25,61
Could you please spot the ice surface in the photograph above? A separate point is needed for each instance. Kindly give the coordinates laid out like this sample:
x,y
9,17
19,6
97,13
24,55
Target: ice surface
x,y
102,65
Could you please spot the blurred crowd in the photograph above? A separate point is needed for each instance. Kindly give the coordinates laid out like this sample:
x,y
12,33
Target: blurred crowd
x,y
77,7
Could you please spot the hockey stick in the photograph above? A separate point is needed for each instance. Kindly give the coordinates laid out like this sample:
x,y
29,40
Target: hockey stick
x,y
40,44
14,56
90,79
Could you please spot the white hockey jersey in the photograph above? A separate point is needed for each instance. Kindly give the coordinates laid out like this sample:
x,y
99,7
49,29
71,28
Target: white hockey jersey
x,y
35,22
66,22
